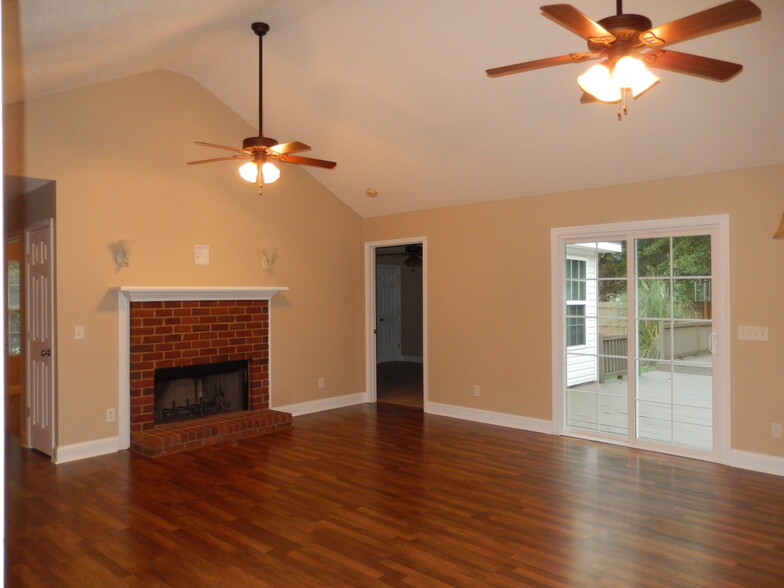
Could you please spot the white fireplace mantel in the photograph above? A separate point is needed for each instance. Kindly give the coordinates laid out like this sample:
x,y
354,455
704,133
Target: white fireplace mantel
x,y
128,294
166,293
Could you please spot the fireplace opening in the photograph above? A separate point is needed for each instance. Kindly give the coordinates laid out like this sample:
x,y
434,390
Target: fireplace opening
x,y
196,391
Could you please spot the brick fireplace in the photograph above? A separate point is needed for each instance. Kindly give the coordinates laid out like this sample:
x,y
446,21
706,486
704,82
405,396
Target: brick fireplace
x,y
177,327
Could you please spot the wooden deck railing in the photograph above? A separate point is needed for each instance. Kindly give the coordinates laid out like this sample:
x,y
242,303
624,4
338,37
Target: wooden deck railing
x,y
687,339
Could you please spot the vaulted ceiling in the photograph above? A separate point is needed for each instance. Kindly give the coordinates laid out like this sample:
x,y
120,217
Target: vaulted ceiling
x,y
395,90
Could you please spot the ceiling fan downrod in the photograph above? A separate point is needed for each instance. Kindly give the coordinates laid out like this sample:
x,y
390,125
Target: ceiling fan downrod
x,y
261,29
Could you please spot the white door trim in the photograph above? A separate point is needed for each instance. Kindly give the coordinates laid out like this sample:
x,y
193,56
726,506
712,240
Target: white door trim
x,y
370,313
719,224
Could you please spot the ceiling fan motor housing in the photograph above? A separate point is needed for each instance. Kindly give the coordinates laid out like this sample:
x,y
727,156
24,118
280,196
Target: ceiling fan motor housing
x,y
626,29
258,143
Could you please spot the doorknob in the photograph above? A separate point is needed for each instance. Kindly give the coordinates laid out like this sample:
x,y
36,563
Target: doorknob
x,y
46,352
381,320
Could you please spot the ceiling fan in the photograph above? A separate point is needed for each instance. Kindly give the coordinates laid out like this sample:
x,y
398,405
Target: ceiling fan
x,y
261,150
628,42
411,255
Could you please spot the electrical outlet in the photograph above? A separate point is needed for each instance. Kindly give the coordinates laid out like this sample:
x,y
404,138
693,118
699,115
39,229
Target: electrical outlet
x,y
321,383
79,332
476,391
110,415
775,430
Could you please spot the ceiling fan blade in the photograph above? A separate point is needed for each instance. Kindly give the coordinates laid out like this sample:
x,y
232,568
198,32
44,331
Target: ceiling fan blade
x,y
539,64
246,156
305,161
712,20
586,98
292,147
693,65
203,144
570,18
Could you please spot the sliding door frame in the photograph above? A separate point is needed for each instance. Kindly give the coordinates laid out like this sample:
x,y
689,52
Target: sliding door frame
x,y
718,226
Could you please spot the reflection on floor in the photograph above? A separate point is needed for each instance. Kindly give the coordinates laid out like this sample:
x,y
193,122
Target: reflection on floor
x,y
13,411
399,382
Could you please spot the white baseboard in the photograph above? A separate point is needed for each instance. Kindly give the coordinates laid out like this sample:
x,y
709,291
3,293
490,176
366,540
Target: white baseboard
x,y
310,406
747,460
65,453
501,419
759,462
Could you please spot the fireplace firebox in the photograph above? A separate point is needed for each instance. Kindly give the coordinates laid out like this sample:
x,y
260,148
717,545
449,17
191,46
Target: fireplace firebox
x,y
201,390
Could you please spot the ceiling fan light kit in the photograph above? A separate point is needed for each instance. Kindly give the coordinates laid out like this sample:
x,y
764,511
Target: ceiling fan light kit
x,y
261,150
607,84
628,43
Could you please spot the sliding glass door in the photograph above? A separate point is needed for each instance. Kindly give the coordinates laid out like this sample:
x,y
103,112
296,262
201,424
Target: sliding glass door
x,y
637,339
673,362
596,337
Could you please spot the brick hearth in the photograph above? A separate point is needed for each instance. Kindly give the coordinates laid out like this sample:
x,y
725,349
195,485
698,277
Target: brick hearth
x,y
175,333
212,430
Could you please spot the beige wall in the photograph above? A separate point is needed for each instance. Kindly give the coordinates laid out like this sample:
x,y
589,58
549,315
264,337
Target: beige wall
x,y
117,152
488,288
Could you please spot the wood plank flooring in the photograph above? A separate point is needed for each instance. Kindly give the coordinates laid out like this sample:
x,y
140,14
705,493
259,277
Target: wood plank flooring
x,y
400,382
384,495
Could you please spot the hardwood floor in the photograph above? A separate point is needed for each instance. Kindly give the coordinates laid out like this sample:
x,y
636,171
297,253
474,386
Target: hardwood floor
x,y
384,495
400,382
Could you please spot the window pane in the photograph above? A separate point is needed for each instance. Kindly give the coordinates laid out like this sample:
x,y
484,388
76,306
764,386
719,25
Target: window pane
x,y
575,324
652,342
654,421
692,298
575,279
581,408
612,297
691,256
653,257
612,263
14,344
13,284
653,299
14,316
613,327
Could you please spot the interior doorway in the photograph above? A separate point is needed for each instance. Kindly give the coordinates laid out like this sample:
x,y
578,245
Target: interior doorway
x,y
396,285
29,206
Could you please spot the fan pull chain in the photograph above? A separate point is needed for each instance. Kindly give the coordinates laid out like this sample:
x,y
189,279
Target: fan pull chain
x,y
622,108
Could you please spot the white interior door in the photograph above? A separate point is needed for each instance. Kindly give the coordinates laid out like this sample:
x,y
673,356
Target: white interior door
x,y
388,328
40,390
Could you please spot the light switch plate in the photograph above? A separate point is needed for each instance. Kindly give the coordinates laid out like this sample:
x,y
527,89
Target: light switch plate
x,y
752,333
201,254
